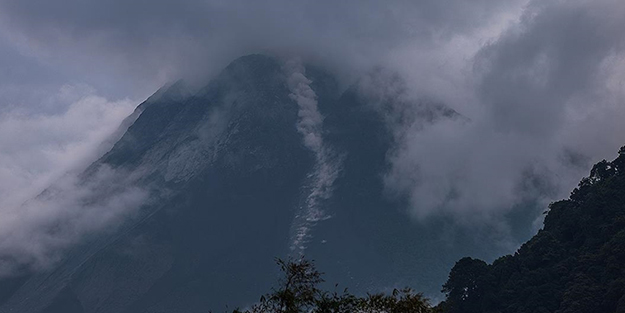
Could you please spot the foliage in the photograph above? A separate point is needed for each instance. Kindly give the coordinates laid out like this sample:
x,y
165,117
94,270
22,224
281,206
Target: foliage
x,y
298,291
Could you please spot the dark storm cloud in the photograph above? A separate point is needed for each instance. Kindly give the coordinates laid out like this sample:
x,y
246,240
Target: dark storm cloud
x,y
555,54
161,40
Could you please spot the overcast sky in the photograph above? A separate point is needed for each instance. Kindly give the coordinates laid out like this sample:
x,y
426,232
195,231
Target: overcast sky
x,y
542,83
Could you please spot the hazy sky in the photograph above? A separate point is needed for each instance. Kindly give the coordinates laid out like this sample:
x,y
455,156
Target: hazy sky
x,y
542,83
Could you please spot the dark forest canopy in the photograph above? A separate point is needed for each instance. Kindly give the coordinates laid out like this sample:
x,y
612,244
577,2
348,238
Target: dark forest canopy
x,y
574,264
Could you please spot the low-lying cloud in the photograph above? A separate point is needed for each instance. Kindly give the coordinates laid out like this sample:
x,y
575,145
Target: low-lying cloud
x,y
46,152
36,233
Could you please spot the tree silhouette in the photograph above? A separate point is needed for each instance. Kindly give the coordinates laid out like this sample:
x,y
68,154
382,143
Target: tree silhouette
x,y
298,291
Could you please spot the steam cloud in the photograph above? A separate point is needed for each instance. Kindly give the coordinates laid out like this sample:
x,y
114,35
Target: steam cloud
x,y
325,169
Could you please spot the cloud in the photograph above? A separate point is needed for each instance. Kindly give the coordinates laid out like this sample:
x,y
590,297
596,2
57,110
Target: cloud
x,y
46,151
544,98
39,148
145,43
36,233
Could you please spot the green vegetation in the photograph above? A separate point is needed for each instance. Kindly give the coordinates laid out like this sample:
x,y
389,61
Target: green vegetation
x,y
298,291
576,263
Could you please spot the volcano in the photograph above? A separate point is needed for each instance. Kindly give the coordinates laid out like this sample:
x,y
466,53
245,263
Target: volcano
x,y
270,159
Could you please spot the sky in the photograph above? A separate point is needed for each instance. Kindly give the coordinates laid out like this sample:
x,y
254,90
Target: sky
x,y
541,83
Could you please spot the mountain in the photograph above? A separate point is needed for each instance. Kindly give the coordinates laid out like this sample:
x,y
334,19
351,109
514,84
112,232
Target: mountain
x,y
270,159
574,264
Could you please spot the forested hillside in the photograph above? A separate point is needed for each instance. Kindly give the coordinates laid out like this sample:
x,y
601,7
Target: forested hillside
x,y
576,263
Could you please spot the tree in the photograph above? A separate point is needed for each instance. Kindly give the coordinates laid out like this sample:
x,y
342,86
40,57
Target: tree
x,y
298,291
465,286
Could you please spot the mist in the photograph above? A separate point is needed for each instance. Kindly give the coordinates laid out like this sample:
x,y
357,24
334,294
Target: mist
x,y
45,206
36,234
